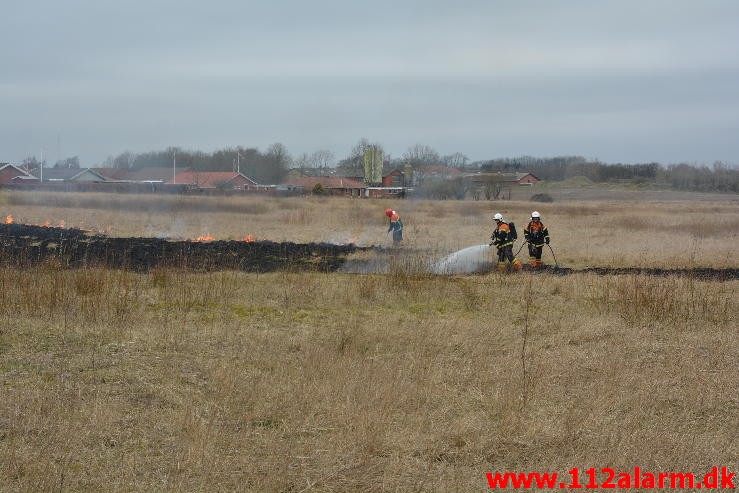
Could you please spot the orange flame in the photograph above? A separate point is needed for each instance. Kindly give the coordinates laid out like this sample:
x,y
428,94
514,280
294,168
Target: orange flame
x,y
9,220
206,237
62,224
247,238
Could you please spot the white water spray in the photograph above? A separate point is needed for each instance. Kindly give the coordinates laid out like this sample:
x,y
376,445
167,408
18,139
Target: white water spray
x,y
470,260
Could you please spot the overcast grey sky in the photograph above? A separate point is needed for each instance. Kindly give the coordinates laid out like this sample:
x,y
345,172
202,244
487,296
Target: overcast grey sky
x,y
619,80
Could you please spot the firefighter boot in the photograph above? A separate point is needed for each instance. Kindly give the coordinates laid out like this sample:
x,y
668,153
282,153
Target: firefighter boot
x,y
517,264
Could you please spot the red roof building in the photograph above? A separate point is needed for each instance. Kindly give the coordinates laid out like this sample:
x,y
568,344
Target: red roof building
x,y
227,180
333,185
163,174
526,178
10,171
437,172
395,178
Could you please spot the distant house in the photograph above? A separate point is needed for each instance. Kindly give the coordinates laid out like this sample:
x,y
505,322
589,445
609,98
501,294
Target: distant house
x,y
391,177
70,174
394,178
295,173
10,173
112,174
226,180
437,173
324,172
24,179
154,174
506,179
165,175
332,185
526,178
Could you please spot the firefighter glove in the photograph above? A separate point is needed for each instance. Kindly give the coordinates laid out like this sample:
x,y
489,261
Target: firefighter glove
x,y
546,240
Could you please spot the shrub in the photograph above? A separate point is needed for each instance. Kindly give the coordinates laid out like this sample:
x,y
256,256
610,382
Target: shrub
x,y
542,197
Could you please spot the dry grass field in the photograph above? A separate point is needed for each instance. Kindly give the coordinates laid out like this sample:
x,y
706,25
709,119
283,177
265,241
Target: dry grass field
x,y
229,381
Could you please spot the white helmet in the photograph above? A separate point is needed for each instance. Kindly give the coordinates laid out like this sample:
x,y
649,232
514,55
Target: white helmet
x,y
498,216
535,214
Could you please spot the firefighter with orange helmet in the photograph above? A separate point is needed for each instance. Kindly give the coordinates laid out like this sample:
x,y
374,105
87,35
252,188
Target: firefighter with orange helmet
x,y
396,226
503,239
537,235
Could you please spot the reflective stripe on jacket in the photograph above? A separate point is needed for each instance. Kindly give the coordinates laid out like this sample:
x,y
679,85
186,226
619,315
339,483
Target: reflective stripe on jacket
x,y
536,233
502,236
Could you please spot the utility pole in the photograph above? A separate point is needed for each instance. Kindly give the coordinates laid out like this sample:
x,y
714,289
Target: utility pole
x,y
41,166
174,166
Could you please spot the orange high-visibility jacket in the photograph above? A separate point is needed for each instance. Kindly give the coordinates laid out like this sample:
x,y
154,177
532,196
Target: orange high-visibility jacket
x,y
536,233
502,236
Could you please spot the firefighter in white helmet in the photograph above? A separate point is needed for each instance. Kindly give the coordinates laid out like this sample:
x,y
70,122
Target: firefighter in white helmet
x,y
537,235
503,238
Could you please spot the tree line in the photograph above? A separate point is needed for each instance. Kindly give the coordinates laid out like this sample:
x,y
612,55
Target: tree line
x,y
273,164
720,177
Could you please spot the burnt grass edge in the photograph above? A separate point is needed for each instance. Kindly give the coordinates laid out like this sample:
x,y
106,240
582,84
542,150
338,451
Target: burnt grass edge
x,y
25,245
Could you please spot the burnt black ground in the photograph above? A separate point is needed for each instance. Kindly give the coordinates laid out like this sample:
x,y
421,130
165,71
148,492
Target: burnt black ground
x,y
707,273
25,245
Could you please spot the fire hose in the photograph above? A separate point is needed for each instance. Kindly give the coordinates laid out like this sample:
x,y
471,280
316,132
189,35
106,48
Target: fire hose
x,y
521,248
553,255
556,264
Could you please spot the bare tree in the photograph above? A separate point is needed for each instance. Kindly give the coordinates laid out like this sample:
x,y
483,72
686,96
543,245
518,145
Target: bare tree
x,y
70,162
277,161
124,160
355,160
492,190
322,158
456,160
302,161
279,153
422,155
31,163
358,150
